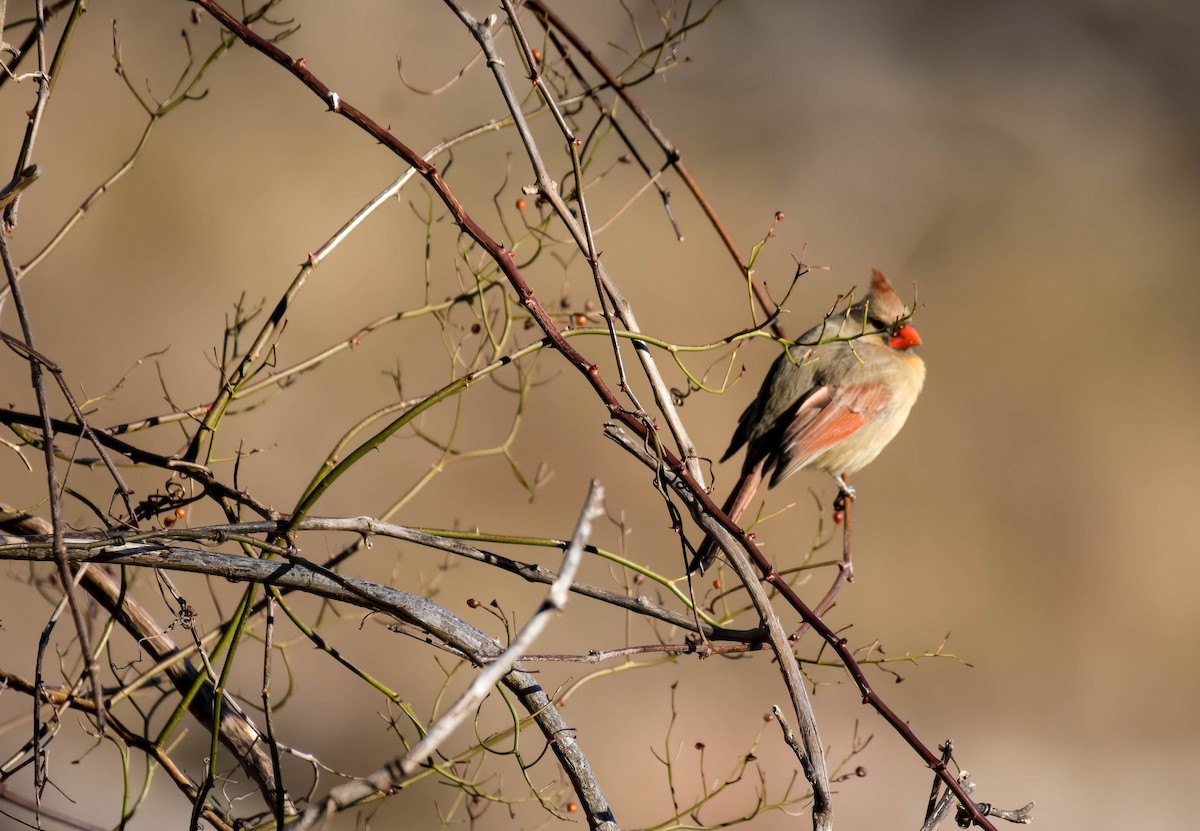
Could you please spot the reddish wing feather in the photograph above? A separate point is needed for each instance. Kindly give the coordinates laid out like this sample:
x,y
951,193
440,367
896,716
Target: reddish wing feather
x,y
828,417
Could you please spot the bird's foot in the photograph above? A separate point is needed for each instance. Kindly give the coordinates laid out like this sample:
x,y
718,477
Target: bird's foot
x,y
845,491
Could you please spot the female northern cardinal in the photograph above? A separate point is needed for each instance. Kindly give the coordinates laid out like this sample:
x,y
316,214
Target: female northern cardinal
x,y
833,406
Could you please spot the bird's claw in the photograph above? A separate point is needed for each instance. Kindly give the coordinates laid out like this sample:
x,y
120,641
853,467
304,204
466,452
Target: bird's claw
x,y
845,491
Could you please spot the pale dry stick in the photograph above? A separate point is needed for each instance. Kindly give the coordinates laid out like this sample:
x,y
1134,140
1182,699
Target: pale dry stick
x,y
393,774
1019,816
789,737
244,370
581,233
433,618
546,186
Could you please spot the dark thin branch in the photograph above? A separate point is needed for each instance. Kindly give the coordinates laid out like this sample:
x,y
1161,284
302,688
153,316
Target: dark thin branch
x,y
63,698
200,474
31,354
733,541
237,732
674,157
66,578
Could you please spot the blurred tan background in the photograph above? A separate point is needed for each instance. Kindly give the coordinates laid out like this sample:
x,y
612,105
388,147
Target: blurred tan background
x,y
1030,166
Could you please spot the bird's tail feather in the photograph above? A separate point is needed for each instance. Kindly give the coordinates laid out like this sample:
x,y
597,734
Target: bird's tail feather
x,y
737,503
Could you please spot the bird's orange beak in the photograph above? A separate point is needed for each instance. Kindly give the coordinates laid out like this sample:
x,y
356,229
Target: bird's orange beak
x,y
905,337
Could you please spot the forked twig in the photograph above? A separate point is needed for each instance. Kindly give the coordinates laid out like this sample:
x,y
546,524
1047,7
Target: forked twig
x,y
396,772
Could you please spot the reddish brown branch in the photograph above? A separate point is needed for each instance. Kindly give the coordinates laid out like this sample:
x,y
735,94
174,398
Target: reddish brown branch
x,y
845,573
549,19
633,422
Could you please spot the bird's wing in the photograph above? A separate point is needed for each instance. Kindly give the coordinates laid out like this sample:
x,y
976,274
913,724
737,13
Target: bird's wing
x,y
825,418
789,381
745,426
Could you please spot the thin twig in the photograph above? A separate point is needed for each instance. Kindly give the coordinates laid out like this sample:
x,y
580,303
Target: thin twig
x,y
674,157
66,578
731,540
392,775
686,483
812,760
845,571
581,233
368,527
941,806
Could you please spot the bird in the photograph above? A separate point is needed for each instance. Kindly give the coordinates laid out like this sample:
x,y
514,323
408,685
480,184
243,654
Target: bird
x,y
830,406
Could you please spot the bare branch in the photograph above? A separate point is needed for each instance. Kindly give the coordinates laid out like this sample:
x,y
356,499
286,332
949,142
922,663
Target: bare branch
x,y
392,775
